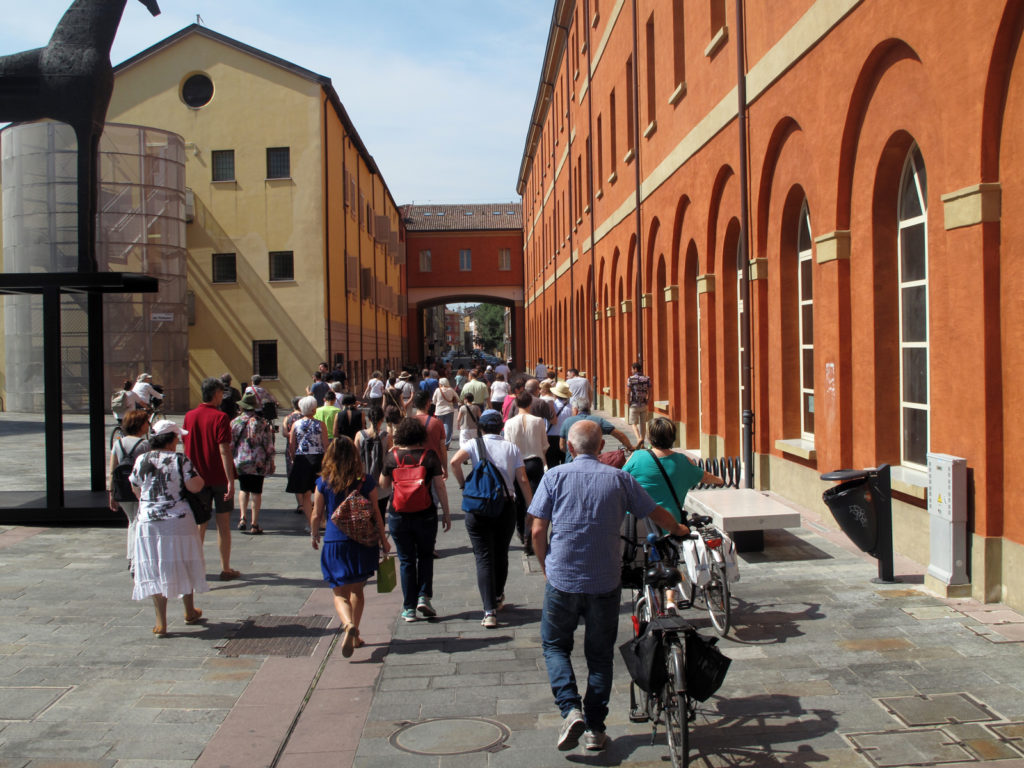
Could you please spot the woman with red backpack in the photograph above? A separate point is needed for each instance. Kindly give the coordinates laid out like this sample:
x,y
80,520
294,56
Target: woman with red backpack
x,y
411,470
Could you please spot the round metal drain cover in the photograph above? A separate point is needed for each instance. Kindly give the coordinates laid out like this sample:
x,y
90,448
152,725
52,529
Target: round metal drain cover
x,y
450,736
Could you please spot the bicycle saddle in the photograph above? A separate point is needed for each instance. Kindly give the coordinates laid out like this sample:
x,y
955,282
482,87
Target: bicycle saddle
x,y
661,574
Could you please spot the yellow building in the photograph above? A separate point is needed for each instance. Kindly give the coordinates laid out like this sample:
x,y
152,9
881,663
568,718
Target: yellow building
x,y
293,236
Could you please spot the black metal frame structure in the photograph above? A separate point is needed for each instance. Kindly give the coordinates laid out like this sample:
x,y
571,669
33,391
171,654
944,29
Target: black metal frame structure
x,y
50,286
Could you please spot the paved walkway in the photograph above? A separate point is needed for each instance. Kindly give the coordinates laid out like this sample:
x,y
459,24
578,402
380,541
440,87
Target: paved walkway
x,y
827,667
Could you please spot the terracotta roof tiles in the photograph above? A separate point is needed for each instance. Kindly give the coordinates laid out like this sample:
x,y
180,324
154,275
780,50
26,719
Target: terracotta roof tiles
x,y
454,217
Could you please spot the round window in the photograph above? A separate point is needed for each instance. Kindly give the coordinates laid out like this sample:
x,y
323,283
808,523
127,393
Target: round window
x,y
197,91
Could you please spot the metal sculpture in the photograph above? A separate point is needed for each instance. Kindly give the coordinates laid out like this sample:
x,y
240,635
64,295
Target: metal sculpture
x,y
71,80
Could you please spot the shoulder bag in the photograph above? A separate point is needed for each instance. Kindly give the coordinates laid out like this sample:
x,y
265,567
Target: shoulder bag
x,y
200,511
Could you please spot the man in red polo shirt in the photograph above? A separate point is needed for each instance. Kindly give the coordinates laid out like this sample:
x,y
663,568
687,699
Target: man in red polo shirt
x,y
208,447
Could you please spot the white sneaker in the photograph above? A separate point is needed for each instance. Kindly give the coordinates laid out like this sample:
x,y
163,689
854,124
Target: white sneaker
x,y
595,741
572,728
490,621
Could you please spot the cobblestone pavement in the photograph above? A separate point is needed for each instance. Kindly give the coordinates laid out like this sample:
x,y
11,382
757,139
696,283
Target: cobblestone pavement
x,y
827,666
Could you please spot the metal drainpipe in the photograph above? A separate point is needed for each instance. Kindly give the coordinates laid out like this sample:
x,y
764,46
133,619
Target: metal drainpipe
x,y
554,219
635,106
327,233
344,229
743,261
593,245
572,216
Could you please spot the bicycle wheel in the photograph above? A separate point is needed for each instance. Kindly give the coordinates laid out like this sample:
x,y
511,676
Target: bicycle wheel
x,y
716,598
115,434
677,723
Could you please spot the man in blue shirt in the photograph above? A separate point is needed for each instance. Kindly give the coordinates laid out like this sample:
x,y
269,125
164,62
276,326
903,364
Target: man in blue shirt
x,y
583,504
429,383
581,412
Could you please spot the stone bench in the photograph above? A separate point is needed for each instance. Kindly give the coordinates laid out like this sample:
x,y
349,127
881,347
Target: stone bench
x,y
743,513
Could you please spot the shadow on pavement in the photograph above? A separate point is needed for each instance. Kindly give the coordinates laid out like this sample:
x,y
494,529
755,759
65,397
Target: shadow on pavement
x,y
755,624
739,732
263,579
447,644
781,546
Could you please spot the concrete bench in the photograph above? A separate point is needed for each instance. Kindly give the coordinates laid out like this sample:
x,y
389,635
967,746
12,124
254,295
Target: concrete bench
x,y
743,513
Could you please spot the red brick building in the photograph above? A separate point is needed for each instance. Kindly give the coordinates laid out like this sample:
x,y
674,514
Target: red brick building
x,y
463,253
877,216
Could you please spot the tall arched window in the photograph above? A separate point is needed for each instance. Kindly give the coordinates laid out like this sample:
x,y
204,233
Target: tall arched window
x,y
805,288
913,282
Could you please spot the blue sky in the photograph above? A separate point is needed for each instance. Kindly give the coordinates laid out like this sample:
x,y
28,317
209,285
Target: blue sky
x,y
439,90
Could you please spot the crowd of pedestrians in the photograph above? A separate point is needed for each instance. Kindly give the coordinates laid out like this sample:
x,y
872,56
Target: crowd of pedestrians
x,y
527,457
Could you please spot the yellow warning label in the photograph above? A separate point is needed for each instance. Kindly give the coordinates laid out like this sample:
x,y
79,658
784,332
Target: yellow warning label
x,y
939,499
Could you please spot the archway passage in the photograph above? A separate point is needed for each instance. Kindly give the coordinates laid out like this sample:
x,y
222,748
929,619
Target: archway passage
x,y
426,340
464,254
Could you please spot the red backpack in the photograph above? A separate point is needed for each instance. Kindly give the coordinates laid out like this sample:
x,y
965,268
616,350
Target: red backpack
x,y
412,488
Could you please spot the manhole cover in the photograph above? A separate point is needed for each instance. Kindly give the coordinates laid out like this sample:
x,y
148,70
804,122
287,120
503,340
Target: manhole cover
x,y
277,636
909,748
450,736
937,709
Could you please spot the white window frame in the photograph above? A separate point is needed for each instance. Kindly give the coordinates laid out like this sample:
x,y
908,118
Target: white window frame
x,y
805,298
425,261
910,167
465,260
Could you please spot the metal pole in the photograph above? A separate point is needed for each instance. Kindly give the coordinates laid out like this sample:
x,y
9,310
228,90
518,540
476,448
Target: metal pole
x,y
742,259
97,406
54,400
589,308
635,106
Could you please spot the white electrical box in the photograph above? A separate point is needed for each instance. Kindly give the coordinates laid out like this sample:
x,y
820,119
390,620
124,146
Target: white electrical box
x,y
947,514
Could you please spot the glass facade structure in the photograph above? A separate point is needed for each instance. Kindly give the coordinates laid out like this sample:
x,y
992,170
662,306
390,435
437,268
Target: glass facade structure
x,y
141,228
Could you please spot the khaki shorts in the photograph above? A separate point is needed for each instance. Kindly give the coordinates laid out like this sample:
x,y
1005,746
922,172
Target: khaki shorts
x,y
637,414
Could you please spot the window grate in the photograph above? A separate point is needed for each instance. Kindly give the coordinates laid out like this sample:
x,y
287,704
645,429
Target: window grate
x,y
224,270
222,162
282,265
279,163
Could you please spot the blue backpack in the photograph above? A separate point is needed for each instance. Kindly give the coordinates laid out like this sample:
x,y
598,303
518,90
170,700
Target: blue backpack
x,y
485,493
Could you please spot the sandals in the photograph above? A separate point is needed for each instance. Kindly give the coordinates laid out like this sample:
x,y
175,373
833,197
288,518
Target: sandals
x,y
256,529
160,632
241,525
229,574
348,641
195,618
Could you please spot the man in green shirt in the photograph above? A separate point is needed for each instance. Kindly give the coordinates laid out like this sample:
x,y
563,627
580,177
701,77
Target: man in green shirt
x,y
480,391
328,412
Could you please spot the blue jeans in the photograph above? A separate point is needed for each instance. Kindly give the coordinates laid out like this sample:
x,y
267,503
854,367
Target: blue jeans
x,y
414,536
562,611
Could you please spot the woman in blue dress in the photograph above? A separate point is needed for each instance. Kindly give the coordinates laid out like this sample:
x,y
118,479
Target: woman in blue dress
x,y
346,564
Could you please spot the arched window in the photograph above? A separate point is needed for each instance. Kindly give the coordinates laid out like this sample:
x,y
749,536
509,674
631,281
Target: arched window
x,y
913,308
805,291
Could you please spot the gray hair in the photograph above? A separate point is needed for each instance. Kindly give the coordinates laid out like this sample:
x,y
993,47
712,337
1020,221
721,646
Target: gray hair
x,y
307,405
336,386
585,437
210,387
581,404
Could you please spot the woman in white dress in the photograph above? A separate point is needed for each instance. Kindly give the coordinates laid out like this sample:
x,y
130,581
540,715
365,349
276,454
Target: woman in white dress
x,y
168,555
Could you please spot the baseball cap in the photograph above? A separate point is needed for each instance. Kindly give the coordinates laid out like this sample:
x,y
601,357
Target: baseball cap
x,y
165,427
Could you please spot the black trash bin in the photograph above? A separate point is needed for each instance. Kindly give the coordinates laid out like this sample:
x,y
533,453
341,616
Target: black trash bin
x,y
862,506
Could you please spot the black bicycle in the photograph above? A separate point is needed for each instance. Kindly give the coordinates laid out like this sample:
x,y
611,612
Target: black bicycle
x,y
671,665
